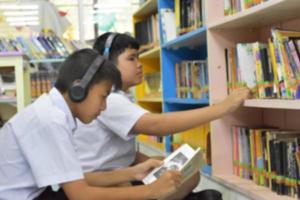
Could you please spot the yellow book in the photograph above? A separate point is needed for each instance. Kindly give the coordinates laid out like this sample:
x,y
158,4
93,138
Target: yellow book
x,y
177,16
274,67
258,67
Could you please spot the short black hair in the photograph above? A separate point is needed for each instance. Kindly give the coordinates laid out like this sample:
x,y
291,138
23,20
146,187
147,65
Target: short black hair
x,y
121,42
76,65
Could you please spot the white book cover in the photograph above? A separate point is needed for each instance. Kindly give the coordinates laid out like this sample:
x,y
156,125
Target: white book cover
x,y
246,63
185,159
168,24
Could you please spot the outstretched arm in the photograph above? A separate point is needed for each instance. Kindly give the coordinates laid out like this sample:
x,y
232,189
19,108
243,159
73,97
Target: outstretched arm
x,y
166,123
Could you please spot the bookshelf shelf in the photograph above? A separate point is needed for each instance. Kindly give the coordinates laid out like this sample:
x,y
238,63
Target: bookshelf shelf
x,y
193,38
12,101
203,102
47,60
260,15
153,100
248,188
11,53
273,103
147,8
153,53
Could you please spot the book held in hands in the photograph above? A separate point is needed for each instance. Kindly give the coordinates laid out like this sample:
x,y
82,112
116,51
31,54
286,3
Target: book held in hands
x,y
185,159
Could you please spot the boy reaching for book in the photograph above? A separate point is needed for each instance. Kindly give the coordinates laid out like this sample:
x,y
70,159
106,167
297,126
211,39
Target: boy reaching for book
x,y
111,141
37,145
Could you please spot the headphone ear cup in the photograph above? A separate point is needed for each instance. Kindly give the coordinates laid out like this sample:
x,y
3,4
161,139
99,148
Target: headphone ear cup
x,y
77,93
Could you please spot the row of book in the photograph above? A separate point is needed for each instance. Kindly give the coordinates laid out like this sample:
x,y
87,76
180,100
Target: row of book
x,y
42,82
192,79
269,157
234,6
272,68
185,17
147,32
189,15
44,45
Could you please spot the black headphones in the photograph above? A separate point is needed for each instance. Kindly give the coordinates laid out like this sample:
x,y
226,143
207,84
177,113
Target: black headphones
x,y
78,90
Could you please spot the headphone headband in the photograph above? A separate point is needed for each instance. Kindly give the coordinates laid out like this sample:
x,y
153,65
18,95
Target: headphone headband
x,y
93,68
108,44
78,91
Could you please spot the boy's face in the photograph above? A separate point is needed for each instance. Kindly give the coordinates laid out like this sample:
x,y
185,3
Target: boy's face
x,y
130,68
95,102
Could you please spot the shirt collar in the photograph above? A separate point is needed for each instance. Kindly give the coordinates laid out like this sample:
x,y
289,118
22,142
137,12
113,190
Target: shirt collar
x,y
61,103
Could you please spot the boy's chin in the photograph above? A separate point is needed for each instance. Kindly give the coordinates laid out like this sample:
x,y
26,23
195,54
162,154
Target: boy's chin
x,y
86,121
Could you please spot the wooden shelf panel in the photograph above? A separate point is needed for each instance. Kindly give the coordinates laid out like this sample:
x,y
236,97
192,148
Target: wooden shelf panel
x,y
273,103
204,102
193,38
47,60
152,53
267,13
248,188
153,100
146,9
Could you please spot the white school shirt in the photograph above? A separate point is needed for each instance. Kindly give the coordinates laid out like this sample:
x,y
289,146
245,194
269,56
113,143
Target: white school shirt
x,y
36,149
109,142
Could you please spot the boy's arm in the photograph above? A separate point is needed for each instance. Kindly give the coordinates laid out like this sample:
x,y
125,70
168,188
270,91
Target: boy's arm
x,y
166,123
163,187
116,177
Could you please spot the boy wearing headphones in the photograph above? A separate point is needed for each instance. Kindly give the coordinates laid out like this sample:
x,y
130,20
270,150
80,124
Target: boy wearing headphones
x,y
37,147
115,129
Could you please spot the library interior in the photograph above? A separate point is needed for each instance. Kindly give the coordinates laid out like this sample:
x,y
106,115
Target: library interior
x,y
218,77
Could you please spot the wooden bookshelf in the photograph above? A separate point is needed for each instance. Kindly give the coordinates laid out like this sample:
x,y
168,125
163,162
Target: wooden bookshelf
x,y
146,9
223,32
162,59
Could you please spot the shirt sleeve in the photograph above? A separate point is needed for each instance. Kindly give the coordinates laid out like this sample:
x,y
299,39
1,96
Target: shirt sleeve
x,y
121,115
51,155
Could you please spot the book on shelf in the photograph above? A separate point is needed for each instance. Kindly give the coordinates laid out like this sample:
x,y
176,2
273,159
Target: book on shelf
x,y
235,6
147,32
41,46
185,159
168,24
189,15
42,82
269,157
192,79
273,67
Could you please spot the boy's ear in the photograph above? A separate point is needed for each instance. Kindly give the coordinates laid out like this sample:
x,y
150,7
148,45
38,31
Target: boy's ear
x,y
77,91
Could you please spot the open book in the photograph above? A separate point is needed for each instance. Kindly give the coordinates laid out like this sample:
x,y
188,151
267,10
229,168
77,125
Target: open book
x,y
185,159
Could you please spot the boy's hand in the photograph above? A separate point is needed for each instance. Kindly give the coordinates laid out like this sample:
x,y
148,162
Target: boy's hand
x,y
166,185
142,169
236,98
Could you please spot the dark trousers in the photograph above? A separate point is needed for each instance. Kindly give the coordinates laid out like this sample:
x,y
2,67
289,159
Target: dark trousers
x,y
48,194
